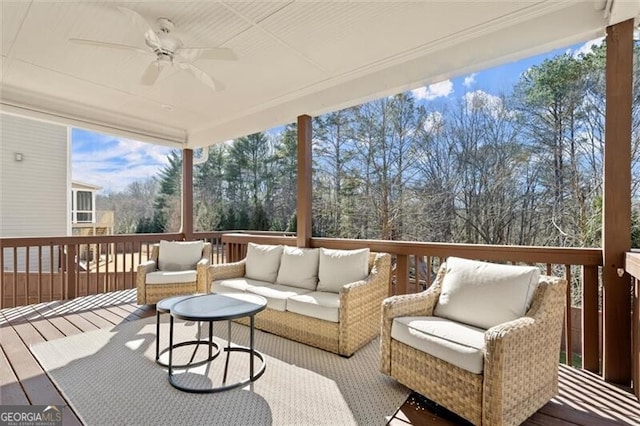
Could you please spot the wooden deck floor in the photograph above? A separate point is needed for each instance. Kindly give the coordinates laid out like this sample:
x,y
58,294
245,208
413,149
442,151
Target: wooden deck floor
x,y
585,399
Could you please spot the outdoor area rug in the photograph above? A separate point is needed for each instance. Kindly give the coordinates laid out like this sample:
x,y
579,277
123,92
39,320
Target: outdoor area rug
x,y
109,377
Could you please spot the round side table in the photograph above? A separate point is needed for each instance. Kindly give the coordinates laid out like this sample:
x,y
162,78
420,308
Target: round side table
x,y
163,307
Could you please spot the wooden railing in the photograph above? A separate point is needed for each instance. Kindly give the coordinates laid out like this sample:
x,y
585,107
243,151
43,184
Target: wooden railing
x,y
44,269
415,265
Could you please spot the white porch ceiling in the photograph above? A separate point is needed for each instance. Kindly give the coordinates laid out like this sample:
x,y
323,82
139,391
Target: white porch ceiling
x,y
294,57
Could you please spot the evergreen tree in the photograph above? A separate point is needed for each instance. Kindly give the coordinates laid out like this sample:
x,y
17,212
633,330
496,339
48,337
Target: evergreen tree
x,y
167,202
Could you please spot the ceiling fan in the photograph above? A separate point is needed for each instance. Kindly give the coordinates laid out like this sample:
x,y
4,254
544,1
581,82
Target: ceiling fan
x,y
168,50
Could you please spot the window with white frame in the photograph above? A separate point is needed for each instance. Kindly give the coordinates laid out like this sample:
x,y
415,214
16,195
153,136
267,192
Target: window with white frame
x,y
82,207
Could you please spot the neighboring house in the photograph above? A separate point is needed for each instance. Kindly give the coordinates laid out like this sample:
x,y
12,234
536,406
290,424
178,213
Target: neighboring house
x,y
85,219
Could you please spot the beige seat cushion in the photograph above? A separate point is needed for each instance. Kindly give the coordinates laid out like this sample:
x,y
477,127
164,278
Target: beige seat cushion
x,y
179,255
263,262
456,343
299,268
236,285
171,277
340,267
485,294
317,304
276,294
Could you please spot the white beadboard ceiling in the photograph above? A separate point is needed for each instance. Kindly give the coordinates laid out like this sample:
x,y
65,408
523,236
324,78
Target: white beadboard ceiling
x,y
294,57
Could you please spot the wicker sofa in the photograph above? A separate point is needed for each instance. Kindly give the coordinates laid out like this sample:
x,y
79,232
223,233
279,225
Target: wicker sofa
x,y
303,302
498,375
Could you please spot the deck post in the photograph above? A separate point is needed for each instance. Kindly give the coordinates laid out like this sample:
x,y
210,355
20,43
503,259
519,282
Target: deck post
x,y
304,209
616,221
187,194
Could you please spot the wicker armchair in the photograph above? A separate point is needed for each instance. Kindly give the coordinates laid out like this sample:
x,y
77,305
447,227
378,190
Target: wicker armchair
x,y
520,358
176,271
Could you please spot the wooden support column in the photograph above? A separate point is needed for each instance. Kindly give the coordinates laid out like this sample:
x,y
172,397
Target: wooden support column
x,y
187,194
304,210
616,223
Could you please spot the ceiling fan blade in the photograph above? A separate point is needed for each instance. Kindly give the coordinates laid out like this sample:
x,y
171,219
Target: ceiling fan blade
x,y
214,53
202,76
142,23
105,44
151,74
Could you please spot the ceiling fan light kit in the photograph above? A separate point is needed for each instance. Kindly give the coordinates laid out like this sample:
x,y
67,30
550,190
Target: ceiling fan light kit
x,y
167,48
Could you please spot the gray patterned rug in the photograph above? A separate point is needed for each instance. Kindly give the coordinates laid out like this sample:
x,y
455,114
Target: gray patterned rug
x,y
109,377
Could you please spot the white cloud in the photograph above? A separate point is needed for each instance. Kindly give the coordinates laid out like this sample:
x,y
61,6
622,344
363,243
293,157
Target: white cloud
x,y
586,48
481,100
113,163
433,91
469,80
434,122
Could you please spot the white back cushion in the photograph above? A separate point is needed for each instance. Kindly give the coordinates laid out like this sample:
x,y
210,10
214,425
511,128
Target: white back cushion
x,y
263,262
485,294
179,255
340,267
299,267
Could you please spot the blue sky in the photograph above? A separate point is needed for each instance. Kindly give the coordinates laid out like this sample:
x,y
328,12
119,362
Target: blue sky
x,y
114,162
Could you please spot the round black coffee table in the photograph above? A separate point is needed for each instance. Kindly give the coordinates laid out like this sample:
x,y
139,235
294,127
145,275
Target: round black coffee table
x,y
219,307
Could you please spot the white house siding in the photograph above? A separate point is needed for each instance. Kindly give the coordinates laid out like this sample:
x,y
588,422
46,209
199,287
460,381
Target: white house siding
x,y
34,191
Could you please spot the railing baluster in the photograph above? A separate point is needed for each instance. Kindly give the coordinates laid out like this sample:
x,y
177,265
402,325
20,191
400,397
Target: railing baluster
x,y
27,273
39,274
71,275
402,273
590,319
132,267
2,281
51,263
15,276
567,332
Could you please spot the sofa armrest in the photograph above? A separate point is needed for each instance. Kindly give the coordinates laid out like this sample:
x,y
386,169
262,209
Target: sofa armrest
x,y
360,305
141,278
225,271
522,355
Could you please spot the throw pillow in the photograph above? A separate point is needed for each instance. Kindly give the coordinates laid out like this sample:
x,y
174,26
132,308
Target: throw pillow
x,y
340,267
485,294
179,255
263,262
299,267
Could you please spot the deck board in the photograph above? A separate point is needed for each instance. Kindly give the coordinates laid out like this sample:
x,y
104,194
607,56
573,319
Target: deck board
x,y
584,399
11,392
37,386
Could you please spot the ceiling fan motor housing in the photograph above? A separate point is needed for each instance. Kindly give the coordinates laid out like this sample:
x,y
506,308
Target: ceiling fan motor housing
x,y
167,43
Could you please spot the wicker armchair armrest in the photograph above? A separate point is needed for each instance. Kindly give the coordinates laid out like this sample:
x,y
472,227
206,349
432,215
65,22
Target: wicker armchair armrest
x,y
417,304
223,271
522,355
141,278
